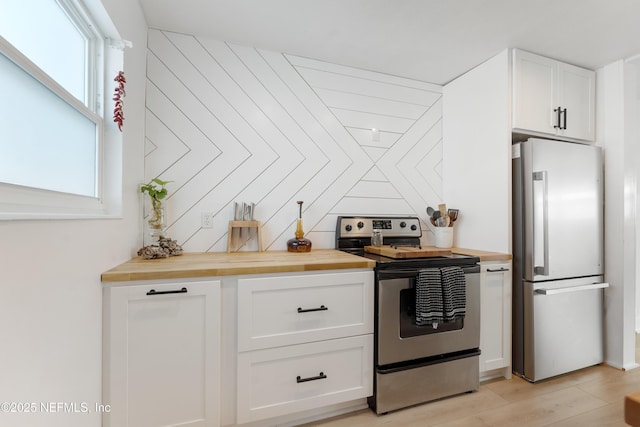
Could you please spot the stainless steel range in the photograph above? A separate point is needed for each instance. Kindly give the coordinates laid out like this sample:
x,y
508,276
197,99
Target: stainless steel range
x,y
414,364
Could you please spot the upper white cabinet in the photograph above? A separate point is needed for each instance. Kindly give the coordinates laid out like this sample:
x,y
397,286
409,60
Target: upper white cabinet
x,y
552,98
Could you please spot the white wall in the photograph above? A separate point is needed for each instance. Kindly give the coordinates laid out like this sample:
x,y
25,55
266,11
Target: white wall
x,y
50,290
614,135
477,155
632,122
229,123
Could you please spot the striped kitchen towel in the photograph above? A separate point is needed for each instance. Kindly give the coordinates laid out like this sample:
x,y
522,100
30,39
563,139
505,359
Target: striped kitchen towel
x,y
454,293
429,304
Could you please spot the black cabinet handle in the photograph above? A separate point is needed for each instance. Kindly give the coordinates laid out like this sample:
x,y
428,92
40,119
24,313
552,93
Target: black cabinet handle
x,y
558,112
154,292
497,270
320,376
307,310
565,118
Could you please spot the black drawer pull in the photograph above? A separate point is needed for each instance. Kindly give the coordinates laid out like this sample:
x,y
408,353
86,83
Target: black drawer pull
x,y
307,310
320,376
154,292
498,270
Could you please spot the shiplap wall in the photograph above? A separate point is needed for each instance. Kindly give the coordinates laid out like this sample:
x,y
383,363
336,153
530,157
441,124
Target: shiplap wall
x,y
228,123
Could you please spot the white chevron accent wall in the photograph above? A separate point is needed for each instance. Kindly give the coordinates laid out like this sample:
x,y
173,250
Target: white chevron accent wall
x,y
228,123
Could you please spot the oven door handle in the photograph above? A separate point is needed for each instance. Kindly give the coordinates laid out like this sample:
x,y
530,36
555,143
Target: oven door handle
x,y
401,273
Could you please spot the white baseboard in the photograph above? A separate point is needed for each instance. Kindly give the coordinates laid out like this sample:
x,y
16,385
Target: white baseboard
x,y
631,366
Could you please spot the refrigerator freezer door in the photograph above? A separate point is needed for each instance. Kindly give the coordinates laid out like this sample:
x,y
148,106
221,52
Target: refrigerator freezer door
x,y
562,196
563,326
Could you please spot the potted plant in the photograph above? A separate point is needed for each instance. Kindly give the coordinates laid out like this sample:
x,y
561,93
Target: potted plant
x,y
156,190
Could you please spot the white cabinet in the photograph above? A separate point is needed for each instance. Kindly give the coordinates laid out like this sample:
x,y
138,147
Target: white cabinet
x,y
495,319
553,98
304,342
162,354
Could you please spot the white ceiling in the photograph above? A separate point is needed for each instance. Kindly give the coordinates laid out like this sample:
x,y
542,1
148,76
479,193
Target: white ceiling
x,y
429,40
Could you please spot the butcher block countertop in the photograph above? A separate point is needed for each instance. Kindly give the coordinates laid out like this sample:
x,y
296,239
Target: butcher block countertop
x,y
190,265
483,255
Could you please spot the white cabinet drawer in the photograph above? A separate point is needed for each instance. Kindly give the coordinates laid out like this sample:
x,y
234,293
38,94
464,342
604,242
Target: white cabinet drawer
x,y
272,382
278,311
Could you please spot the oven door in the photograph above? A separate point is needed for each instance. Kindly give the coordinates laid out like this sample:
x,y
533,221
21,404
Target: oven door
x,y
399,339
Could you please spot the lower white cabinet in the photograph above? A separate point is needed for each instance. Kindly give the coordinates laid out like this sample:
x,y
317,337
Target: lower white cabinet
x,y
284,310
305,341
283,348
495,319
161,362
282,380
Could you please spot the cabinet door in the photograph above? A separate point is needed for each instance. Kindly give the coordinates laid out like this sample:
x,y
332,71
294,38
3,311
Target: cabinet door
x,y
576,94
495,317
534,92
549,96
162,354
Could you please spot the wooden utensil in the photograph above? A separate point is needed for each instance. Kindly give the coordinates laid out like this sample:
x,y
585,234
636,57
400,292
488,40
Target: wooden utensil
x,y
453,215
443,219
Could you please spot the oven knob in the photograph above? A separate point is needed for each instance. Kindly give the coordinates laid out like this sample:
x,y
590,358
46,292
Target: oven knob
x,y
360,224
348,227
414,227
403,224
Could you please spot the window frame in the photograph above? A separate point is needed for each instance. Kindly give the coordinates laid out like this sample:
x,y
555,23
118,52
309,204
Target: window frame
x,y
25,203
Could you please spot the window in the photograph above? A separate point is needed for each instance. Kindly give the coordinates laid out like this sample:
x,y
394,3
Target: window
x,y
52,65
59,46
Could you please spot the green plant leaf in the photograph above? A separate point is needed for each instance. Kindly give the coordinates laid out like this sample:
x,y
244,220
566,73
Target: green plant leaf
x,y
152,189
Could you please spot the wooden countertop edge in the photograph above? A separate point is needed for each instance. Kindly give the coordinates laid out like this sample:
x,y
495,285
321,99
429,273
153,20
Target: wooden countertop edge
x,y
483,255
228,271
222,264
197,265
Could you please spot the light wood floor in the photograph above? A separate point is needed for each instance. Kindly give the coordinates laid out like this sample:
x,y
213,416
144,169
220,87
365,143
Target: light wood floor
x,y
591,397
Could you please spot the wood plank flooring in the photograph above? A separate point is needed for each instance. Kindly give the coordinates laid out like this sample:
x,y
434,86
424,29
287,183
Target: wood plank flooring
x,y
591,397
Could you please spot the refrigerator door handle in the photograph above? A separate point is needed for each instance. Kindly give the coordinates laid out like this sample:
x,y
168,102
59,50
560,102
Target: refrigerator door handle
x,y
540,202
571,289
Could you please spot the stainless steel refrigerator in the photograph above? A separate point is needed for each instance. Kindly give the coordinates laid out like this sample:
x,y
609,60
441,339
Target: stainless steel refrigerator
x,y
558,258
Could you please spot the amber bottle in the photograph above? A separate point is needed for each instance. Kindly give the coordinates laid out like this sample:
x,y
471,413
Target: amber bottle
x,y
299,243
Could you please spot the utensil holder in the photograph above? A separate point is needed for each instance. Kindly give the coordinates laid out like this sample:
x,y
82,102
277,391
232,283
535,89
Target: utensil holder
x,y
444,237
245,224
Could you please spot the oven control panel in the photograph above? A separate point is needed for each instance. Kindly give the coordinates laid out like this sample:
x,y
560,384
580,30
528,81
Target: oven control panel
x,y
363,226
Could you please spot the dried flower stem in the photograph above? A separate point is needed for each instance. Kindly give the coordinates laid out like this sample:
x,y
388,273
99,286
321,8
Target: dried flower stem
x,y
118,113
